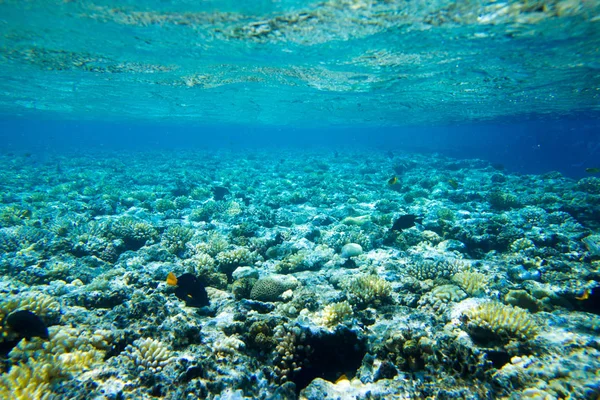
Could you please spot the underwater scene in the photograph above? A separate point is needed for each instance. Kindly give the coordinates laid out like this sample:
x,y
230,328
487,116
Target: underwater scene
x,y
286,199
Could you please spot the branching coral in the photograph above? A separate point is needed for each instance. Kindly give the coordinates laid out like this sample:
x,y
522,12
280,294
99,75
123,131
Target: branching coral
x,y
496,321
230,260
473,283
41,304
199,260
134,233
369,290
290,353
521,245
149,354
432,269
25,382
37,364
305,260
176,237
439,298
63,340
336,313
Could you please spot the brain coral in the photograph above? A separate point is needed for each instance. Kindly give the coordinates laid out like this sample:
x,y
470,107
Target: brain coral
x,y
272,287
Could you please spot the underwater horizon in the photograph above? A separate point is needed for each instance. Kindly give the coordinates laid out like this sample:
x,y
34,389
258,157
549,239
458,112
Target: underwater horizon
x,y
285,199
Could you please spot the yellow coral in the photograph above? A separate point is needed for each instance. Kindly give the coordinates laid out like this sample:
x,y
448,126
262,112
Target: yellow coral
x,y
370,289
62,340
473,283
25,382
149,354
77,361
501,321
37,363
334,314
40,304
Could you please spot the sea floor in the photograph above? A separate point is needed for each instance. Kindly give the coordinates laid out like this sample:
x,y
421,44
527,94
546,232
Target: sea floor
x,y
329,274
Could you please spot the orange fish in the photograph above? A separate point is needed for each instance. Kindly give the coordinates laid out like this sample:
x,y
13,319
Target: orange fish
x,y
584,296
171,279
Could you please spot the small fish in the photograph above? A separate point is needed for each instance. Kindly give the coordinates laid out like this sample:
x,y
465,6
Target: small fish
x,y
189,289
592,170
584,296
405,221
20,325
219,192
453,183
393,180
26,324
171,279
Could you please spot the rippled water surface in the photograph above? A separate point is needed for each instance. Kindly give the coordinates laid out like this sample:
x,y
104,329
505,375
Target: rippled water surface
x,y
337,62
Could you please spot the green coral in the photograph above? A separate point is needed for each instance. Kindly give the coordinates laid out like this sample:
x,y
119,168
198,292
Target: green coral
x,y
231,259
590,185
502,200
423,269
176,237
205,212
182,202
272,287
134,233
214,244
14,215
163,205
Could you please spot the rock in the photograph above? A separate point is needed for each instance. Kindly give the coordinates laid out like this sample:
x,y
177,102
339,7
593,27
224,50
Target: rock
x,y
244,272
351,250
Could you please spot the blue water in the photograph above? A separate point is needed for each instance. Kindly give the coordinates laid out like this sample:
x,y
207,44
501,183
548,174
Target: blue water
x,y
567,145
321,124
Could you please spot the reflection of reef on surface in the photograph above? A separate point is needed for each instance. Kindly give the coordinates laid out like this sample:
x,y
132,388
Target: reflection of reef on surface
x,y
444,55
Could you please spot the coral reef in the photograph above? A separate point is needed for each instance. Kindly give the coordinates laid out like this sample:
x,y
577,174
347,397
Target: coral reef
x,y
485,296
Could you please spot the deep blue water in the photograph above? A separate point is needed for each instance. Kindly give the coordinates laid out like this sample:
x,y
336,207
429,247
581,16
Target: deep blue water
x,y
568,146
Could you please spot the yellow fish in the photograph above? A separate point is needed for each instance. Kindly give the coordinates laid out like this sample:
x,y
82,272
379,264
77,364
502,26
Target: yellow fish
x,y
592,170
393,181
